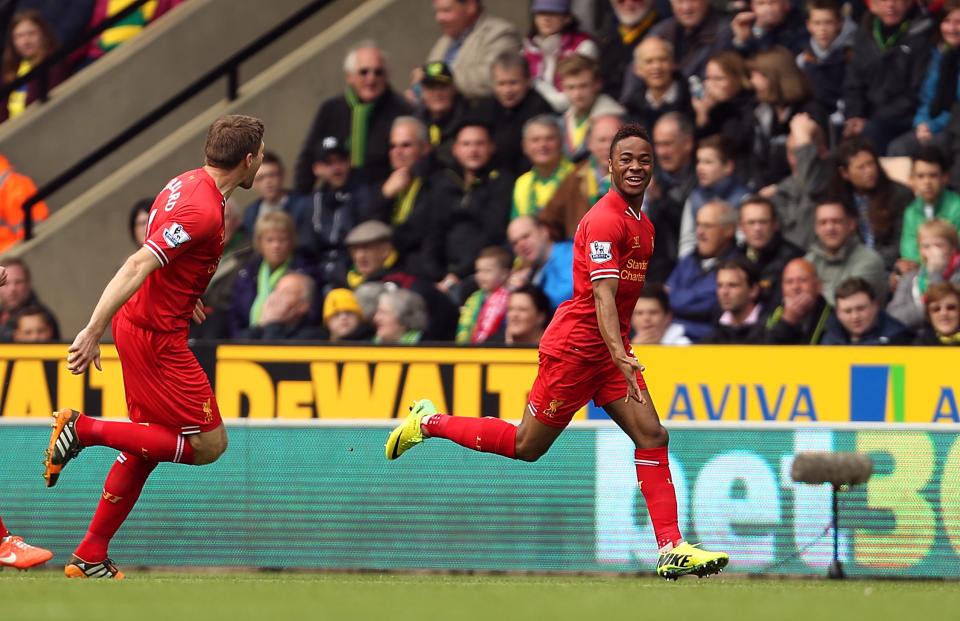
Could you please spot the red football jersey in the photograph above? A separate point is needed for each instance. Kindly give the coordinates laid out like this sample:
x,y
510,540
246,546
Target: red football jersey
x,y
185,234
612,241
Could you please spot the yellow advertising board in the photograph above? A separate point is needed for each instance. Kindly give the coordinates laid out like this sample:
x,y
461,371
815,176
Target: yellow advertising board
x,y
704,383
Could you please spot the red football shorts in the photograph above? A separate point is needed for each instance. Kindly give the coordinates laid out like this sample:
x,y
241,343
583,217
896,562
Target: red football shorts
x,y
564,385
163,381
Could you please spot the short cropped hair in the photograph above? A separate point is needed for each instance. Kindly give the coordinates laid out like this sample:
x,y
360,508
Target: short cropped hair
x,y
852,286
231,138
576,64
511,60
944,229
543,120
419,129
756,199
630,130
719,143
656,291
826,5
503,258
743,264
931,154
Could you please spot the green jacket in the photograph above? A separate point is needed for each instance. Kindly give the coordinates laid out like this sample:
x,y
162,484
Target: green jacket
x,y
947,207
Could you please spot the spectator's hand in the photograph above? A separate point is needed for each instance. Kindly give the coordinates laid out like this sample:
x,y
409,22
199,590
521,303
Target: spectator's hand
x,y
276,309
447,283
416,76
398,181
518,278
796,307
741,26
923,133
904,266
630,366
802,129
3,276
199,314
854,127
702,109
769,191
85,349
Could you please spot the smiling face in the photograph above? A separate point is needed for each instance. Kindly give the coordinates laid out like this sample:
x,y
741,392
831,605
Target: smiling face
x,y
631,166
945,315
654,63
369,76
541,145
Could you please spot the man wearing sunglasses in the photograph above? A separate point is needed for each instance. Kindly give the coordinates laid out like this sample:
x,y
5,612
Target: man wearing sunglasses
x,y
360,118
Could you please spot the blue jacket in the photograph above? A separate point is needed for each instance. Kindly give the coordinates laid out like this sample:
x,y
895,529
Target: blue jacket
x,y
693,294
555,278
886,331
927,93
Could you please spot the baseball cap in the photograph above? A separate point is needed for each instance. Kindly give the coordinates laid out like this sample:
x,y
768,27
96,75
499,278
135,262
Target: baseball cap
x,y
340,301
437,74
329,146
368,232
550,6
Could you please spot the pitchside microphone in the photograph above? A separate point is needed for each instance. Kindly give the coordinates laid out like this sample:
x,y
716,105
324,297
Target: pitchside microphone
x,y
840,470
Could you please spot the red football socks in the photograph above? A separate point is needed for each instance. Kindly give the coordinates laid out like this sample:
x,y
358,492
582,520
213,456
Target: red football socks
x,y
149,442
3,530
653,476
487,435
120,493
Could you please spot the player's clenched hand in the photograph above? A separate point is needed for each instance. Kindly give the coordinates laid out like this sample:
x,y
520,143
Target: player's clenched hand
x,y
630,366
198,314
85,349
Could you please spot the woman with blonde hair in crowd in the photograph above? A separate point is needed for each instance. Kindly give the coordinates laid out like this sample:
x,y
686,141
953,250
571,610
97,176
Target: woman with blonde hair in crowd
x,y
939,262
274,242
942,305
30,41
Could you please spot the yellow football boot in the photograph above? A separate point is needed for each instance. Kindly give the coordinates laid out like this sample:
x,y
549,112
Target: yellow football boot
x,y
408,434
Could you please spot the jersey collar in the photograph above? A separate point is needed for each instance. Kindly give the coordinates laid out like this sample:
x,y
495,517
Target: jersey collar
x,y
620,203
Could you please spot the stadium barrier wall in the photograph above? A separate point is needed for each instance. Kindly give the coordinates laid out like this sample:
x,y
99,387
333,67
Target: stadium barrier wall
x,y
705,383
320,495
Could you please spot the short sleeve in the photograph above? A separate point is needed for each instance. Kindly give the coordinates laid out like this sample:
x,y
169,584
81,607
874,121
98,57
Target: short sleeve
x,y
184,229
602,247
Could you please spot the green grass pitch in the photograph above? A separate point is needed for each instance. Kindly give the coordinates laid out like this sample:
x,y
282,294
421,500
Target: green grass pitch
x,y
399,597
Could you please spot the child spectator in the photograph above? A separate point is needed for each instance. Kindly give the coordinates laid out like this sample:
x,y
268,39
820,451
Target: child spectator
x,y
484,311
31,41
824,60
554,34
343,318
858,319
715,181
939,262
928,176
580,79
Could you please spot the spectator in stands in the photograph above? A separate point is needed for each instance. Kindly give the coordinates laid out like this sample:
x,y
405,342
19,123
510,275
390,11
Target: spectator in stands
x,y
343,317
652,321
275,241
341,201
928,175
218,297
367,295
469,207
801,317
375,259
886,71
15,188
272,196
738,293
943,316
580,79
697,31
514,102
484,311
542,146
782,93
442,109
33,324
139,216
838,253
31,41
586,183
859,320
674,179
528,313
554,34
126,29
360,119
692,284
286,312
940,262
627,25
68,19
715,181
764,245
471,40
17,294
655,87
400,318
827,52
794,197
404,196
725,104
769,24
939,91
544,263
879,202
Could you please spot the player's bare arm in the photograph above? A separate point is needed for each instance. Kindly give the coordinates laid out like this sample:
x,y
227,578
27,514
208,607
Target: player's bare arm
x,y
604,296
128,279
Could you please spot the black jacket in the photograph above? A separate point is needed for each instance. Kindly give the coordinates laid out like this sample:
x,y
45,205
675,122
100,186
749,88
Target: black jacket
x,y
464,220
693,48
507,124
791,34
885,84
885,331
750,334
333,119
618,56
808,332
409,234
665,213
447,127
641,111
770,262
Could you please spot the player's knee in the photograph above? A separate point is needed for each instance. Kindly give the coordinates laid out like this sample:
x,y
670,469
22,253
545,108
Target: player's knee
x,y
654,438
209,449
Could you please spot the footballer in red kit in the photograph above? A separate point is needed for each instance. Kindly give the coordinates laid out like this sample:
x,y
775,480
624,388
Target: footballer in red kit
x,y
585,354
149,304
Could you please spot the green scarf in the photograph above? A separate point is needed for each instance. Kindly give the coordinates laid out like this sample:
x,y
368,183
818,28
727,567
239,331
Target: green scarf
x,y
266,282
359,120
410,337
405,200
886,44
468,316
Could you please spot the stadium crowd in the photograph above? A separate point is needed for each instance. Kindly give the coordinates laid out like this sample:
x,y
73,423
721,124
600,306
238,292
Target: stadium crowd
x,y
442,208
